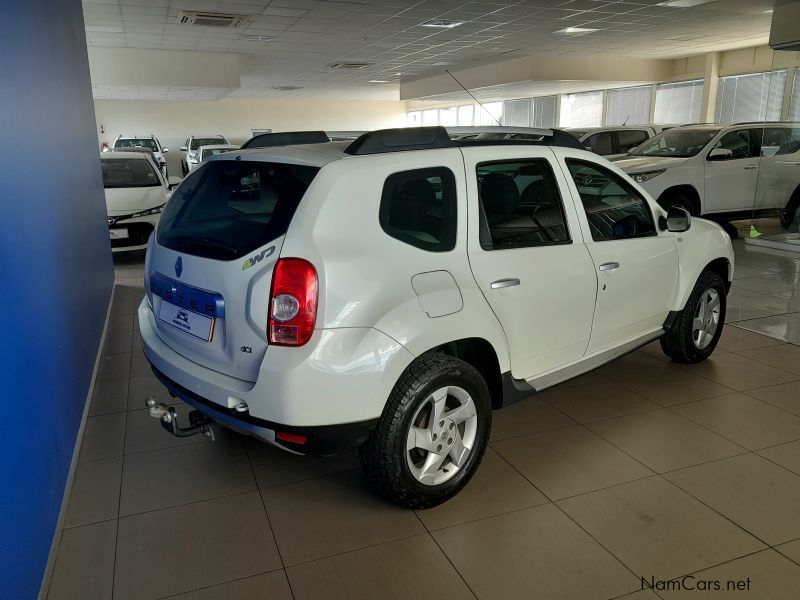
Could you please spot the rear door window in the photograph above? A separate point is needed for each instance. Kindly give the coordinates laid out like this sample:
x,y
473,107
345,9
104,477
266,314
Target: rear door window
x,y
229,208
599,143
629,139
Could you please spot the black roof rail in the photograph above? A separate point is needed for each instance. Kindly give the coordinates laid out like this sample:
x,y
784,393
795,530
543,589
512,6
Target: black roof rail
x,y
428,138
286,138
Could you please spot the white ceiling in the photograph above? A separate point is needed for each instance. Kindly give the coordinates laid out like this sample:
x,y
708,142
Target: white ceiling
x,y
309,35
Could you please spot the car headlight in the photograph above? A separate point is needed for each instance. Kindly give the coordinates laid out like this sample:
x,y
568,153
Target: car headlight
x,y
148,212
642,177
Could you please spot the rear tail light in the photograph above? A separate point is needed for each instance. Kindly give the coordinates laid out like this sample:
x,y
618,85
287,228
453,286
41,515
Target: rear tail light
x,y
292,302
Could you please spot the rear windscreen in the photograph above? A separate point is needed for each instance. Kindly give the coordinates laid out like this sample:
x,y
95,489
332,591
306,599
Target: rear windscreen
x,y
128,172
228,208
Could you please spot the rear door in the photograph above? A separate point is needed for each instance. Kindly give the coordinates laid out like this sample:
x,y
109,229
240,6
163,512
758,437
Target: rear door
x,y
210,274
636,264
528,257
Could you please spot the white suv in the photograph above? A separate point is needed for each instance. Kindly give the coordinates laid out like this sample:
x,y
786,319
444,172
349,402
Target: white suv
x,y
190,155
615,141
387,294
723,170
123,142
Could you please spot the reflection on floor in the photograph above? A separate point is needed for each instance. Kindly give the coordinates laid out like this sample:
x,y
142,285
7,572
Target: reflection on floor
x,y
642,468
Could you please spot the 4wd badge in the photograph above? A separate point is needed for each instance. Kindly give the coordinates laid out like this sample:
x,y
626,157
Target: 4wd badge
x,y
258,258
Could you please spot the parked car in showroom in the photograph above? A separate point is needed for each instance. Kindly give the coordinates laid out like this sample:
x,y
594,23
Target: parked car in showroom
x,y
151,143
203,152
387,294
615,141
136,193
725,171
190,156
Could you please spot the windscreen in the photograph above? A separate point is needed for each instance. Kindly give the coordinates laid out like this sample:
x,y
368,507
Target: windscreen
x,y
229,208
128,172
133,143
680,143
213,151
197,142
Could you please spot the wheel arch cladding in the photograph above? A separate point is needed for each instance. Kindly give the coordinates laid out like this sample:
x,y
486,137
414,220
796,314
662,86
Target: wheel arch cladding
x,y
721,266
479,353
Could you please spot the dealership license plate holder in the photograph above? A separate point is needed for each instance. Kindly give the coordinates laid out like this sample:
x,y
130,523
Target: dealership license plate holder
x,y
120,233
192,323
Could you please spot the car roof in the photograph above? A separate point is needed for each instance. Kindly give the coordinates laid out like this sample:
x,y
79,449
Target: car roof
x,y
314,155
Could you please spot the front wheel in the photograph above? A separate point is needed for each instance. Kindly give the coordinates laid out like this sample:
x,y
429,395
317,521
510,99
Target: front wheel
x,y
695,333
432,435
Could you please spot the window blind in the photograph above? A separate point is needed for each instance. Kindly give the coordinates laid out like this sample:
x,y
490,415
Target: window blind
x,y
679,103
544,111
582,110
751,97
517,113
628,106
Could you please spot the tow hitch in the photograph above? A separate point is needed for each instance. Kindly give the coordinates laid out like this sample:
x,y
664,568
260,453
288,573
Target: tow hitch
x,y
198,422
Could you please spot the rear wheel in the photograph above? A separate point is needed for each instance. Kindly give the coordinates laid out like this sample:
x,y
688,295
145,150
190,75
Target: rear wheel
x,y
432,435
788,216
695,333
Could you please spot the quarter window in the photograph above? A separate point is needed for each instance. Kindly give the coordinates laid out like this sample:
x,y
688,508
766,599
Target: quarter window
x,y
419,208
600,143
520,204
630,138
614,209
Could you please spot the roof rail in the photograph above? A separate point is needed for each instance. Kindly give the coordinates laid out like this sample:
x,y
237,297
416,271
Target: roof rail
x,y
427,138
286,138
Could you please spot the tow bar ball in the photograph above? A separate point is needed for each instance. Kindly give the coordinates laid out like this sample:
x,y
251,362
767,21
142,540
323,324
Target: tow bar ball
x,y
168,416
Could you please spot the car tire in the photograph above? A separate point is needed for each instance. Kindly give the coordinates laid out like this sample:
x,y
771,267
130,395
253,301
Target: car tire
x,y
680,200
426,465
696,330
184,169
788,214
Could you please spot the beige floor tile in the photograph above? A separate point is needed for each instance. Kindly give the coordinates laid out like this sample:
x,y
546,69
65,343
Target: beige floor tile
x,y
785,356
754,493
665,384
768,284
84,567
785,396
786,455
276,467
740,373
411,568
527,416
654,350
193,546
761,576
114,367
95,492
570,461
103,437
534,552
591,397
783,327
140,367
140,388
496,488
109,396
734,339
657,530
790,550
271,586
744,420
664,441
173,476
321,517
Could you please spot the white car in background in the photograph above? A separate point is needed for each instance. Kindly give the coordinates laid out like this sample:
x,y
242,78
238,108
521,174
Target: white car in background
x,y
190,156
136,192
203,152
388,293
615,141
150,143
729,171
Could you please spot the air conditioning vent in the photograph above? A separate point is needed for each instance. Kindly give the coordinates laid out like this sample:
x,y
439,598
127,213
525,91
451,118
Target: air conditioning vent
x,y
211,19
349,65
287,88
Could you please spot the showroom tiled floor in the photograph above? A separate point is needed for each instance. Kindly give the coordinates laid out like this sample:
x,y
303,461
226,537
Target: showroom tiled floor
x,y
642,468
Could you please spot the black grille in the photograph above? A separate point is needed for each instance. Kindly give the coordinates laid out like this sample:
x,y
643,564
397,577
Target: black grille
x,y
137,235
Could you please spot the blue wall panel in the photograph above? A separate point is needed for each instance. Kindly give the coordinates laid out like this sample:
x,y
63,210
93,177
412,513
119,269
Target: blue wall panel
x,y
56,272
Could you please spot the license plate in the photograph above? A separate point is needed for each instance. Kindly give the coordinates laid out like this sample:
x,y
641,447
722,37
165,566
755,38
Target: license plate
x,y
195,324
118,234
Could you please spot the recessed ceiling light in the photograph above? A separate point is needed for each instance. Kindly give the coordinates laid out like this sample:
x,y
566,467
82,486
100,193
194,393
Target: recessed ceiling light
x,y
684,3
441,23
768,12
258,38
349,65
379,81
577,30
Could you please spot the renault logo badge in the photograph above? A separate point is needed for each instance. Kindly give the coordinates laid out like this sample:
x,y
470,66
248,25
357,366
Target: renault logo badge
x,y
179,266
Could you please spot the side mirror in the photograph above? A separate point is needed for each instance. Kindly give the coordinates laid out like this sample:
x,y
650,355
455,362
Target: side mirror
x,y
182,148
164,150
720,154
678,219
589,148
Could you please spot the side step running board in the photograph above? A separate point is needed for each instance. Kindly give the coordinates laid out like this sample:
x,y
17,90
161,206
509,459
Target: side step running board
x,y
168,416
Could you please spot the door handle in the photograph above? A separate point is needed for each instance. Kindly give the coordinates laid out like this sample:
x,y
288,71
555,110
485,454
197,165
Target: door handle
x,y
750,167
609,266
504,283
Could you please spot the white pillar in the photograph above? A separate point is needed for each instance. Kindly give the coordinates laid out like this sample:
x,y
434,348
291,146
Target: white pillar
x,y
709,102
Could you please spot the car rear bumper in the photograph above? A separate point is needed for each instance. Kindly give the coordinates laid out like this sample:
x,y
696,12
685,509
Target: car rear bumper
x,y
332,390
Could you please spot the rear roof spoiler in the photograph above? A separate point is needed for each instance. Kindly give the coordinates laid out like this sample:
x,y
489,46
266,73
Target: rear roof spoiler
x,y
428,138
286,138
